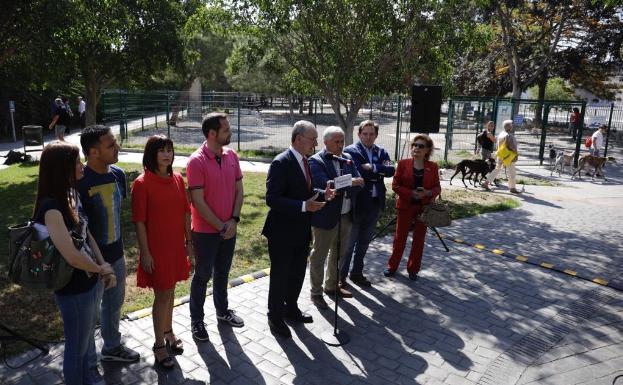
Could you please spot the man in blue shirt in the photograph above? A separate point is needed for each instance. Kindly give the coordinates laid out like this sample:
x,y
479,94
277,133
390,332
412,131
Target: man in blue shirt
x,y
374,165
102,190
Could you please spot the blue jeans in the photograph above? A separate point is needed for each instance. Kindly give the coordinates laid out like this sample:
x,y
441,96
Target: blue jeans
x,y
361,234
213,256
78,313
108,311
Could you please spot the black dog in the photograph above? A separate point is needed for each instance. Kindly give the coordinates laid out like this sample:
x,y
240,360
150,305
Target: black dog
x,y
16,157
472,169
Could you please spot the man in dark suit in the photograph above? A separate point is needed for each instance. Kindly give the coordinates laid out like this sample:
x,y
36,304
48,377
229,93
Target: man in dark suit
x,y
374,164
325,167
291,198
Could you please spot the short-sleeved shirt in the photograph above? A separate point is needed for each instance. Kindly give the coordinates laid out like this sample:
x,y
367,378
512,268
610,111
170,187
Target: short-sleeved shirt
x,y
102,196
598,139
80,281
63,116
218,182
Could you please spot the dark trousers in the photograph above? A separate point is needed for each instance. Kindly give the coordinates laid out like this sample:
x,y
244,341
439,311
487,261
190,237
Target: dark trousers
x,y
361,233
213,256
287,273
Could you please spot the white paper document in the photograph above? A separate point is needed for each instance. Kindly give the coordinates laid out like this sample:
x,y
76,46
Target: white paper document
x,y
343,181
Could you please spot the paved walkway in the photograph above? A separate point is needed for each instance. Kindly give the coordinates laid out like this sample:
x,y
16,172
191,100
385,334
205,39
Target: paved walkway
x,y
473,317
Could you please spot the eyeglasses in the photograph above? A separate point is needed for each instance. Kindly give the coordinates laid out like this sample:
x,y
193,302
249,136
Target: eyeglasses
x,y
419,145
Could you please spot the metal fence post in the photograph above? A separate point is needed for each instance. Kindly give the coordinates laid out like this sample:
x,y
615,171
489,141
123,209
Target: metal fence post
x,y
315,111
238,102
167,116
121,114
545,110
580,131
608,132
142,111
397,131
448,129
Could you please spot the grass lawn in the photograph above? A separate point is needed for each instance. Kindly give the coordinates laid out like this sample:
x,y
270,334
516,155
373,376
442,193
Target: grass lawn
x,y
35,313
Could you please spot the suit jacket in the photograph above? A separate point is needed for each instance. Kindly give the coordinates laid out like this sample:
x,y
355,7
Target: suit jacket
x,y
286,189
379,158
323,170
403,183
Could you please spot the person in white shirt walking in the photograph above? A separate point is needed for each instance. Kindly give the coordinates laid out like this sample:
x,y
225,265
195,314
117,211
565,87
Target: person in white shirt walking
x,y
598,141
507,138
82,110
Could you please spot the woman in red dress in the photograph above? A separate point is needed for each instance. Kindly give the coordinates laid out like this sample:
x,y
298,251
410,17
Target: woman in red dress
x,y
161,214
416,182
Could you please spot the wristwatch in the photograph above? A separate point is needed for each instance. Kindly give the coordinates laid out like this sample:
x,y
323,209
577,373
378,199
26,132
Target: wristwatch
x,y
235,218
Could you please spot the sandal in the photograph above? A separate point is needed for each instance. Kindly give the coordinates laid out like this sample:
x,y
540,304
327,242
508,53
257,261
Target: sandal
x,y
177,346
166,363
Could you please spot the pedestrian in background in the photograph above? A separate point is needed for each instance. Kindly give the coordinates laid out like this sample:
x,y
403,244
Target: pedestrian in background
x,y
60,120
82,111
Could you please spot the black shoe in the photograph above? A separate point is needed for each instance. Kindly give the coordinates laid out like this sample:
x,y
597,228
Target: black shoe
x,y
299,318
360,280
413,276
199,331
280,328
120,354
231,318
319,302
389,273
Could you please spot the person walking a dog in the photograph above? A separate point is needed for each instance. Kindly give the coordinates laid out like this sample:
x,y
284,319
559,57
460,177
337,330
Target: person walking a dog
x,y
507,139
597,140
485,141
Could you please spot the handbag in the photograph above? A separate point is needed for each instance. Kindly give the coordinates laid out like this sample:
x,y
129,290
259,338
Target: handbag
x,y
436,214
37,264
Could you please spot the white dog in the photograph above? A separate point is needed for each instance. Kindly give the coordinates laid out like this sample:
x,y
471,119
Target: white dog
x,y
563,160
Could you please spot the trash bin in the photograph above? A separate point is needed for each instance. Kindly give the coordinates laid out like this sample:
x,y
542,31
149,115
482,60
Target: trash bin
x,y
33,136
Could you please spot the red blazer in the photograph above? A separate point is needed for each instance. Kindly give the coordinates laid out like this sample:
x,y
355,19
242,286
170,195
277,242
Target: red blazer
x,y
403,183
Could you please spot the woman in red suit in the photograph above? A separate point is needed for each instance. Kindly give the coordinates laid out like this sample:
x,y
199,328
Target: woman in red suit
x,y
161,214
417,184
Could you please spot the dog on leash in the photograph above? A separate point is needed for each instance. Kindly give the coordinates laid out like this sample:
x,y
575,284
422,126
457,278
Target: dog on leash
x,y
563,160
474,170
597,162
552,155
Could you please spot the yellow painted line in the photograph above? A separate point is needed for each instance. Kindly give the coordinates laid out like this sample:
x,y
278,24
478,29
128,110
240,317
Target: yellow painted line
x,y
571,272
521,258
142,313
247,278
547,265
458,240
497,251
177,302
479,246
267,271
600,281
229,286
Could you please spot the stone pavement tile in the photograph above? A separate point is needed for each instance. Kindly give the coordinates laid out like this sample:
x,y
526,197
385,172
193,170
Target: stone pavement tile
x,y
454,379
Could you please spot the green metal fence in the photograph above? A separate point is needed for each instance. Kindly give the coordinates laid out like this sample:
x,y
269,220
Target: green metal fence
x,y
261,124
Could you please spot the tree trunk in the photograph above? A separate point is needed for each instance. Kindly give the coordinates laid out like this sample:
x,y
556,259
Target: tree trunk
x,y
301,101
92,98
311,107
538,112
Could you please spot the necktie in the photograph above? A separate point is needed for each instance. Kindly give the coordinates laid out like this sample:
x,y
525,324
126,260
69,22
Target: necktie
x,y
307,173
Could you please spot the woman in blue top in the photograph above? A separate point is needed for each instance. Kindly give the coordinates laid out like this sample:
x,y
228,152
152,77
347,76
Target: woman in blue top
x,y
57,214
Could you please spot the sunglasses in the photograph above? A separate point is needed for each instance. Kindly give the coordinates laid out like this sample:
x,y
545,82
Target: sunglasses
x,y
419,145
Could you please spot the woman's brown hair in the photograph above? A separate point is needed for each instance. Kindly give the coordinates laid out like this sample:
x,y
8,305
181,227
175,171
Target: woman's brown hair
x,y
150,155
429,144
57,176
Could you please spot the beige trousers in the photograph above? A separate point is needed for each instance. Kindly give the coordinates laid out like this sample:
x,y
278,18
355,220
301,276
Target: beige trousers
x,y
325,242
510,170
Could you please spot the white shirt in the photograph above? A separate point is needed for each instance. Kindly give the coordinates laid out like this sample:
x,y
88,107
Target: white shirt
x,y
299,158
370,155
82,107
598,139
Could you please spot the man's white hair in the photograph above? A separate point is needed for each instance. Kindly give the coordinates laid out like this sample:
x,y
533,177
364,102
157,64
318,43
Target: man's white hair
x,y
330,131
507,124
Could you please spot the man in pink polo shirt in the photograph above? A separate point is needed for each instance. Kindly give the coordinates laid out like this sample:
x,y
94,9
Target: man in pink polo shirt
x,y
215,184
